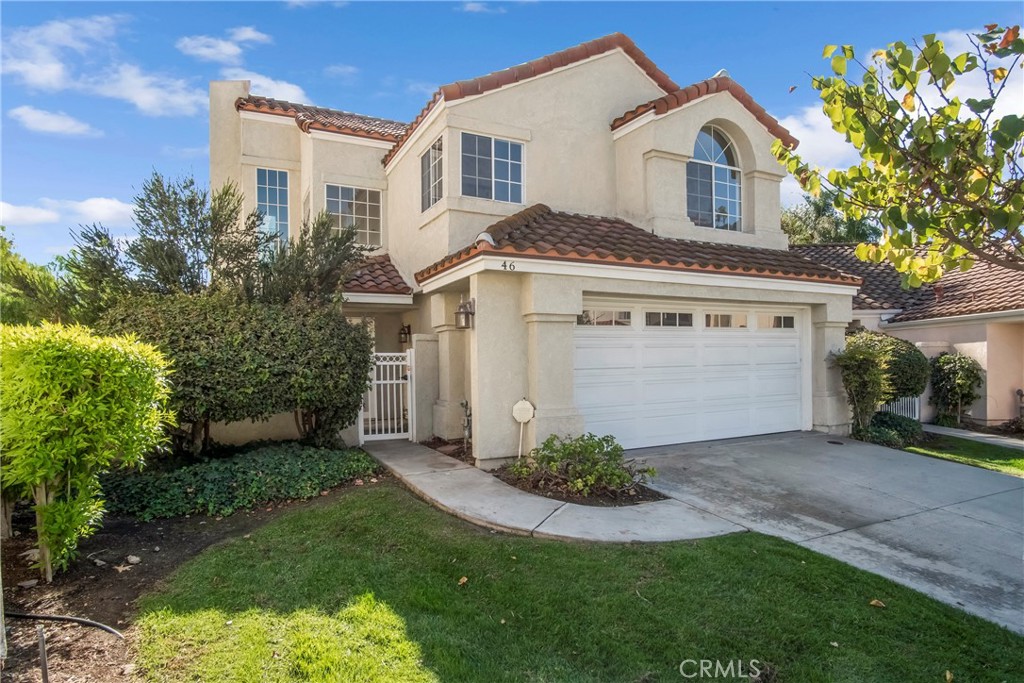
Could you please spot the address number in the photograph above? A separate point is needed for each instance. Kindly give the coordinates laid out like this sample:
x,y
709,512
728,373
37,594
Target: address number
x,y
508,265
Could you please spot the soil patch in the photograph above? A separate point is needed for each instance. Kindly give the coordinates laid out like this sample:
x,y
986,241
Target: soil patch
x,y
638,494
101,585
455,448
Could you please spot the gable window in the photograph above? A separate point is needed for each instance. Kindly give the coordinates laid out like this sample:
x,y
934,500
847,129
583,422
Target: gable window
x,y
272,201
605,318
431,180
733,320
767,321
492,168
357,208
713,182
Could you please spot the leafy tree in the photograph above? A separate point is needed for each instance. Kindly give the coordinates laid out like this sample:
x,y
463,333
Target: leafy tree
x,y
943,177
29,293
817,221
906,368
864,369
955,382
72,406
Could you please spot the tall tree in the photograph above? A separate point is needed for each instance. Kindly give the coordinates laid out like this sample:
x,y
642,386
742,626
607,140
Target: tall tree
x,y
817,221
943,177
29,293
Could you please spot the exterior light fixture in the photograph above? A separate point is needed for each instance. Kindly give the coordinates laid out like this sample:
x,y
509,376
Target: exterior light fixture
x,y
464,315
404,334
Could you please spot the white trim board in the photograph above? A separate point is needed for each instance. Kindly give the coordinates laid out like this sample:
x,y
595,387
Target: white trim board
x,y
368,298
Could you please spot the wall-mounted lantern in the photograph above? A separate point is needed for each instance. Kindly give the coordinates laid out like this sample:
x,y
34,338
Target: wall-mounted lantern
x,y
404,334
464,315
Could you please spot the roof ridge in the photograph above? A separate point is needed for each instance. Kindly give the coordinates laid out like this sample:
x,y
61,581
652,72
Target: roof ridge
x,y
298,106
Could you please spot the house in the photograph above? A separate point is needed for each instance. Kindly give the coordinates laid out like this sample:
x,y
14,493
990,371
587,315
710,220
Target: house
x,y
978,312
610,239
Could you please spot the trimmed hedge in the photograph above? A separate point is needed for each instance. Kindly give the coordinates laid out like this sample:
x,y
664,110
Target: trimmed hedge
x,y
907,431
907,369
220,487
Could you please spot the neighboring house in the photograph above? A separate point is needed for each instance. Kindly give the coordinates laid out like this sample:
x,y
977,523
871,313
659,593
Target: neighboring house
x,y
616,237
979,313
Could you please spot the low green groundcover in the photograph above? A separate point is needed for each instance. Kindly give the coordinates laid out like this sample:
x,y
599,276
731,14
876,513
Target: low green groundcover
x,y
222,486
378,586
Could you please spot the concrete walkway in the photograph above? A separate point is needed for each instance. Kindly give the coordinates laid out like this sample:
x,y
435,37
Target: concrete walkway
x,y
991,439
482,499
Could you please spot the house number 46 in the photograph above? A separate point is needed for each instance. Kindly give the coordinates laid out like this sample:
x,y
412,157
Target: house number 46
x,y
508,265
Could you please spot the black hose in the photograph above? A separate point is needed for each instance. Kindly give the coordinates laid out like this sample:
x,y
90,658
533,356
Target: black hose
x,y
60,617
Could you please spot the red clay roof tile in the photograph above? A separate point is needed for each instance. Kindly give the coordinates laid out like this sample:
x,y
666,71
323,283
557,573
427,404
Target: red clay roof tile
x,y
308,117
377,275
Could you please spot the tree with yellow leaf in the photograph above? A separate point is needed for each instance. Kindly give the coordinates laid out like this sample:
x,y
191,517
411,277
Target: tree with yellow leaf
x,y
941,175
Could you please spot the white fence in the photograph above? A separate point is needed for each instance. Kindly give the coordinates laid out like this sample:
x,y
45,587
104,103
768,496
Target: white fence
x,y
906,407
387,411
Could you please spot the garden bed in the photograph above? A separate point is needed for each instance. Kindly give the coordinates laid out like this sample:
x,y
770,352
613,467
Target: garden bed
x,y
455,448
641,494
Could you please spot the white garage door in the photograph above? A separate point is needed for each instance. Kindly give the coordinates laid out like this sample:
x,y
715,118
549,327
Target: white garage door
x,y
656,374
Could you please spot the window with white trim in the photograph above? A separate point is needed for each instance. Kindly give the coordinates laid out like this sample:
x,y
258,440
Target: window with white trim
x,y
431,178
605,318
272,201
713,182
492,168
668,319
733,320
356,208
768,321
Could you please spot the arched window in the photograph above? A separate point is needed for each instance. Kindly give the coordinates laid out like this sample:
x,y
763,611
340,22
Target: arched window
x,y
713,181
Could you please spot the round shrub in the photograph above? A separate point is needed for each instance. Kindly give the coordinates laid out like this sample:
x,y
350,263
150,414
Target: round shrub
x,y
907,369
883,437
909,430
955,382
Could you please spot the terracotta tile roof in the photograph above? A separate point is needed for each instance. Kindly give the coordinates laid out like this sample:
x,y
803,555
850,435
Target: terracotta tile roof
x,y
710,86
985,288
537,67
377,275
881,289
308,117
538,232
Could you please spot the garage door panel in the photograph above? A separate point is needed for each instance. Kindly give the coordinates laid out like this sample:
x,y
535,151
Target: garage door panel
x,y
661,386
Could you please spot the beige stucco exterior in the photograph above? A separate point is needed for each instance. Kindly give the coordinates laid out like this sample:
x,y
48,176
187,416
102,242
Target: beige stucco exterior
x,y
521,342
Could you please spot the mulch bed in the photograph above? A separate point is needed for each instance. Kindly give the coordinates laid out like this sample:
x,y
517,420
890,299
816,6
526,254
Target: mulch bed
x,y
455,448
108,593
640,493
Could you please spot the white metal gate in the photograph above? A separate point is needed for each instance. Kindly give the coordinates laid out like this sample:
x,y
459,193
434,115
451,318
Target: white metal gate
x,y
909,406
387,406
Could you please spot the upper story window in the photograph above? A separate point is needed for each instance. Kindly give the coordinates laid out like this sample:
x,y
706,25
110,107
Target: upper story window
x,y
713,181
272,200
492,168
358,208
432,181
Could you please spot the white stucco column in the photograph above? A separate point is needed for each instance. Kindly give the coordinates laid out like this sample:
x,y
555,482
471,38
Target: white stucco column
x,y
451,366
498,365
831,412
425,380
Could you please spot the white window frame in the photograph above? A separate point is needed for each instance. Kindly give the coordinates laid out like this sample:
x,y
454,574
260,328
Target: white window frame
x,y
712,314
777,330
494,179
380,211
676,328
286,206
715,166
615,316
435,174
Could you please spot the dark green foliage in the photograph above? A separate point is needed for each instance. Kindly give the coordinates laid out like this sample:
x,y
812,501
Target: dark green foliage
x,y
234,361
28,293
882,436
864,369
908,431
817,221
955,382
907,369
221,487
584,465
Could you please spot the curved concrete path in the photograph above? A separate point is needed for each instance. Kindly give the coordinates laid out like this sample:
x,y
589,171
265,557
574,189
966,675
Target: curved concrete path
x,y
481,498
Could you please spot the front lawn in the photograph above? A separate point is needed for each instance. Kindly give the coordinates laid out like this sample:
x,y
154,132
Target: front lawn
x,y
371,589
1006,460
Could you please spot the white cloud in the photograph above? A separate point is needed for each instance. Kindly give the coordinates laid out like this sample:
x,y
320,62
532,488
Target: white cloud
x,y
37,54
185,152
56,122
14,215
482,8
420,88
210,49
346,73
107,210
248,34
152,94
267,86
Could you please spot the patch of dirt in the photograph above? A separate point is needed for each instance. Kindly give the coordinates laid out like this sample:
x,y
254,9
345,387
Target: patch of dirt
x,y
455,448
638,494
109,592
1013,428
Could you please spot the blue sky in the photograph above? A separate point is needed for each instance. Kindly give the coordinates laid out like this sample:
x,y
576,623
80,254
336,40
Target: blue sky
x,y
95,96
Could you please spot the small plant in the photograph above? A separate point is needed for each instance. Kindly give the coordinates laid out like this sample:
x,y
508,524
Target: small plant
x,y
864,371
889,438
955,382
221,487
584,465
907,430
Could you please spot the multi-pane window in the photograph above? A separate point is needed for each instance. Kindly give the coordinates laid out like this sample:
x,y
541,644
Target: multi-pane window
x,y
668,319
725,320
767,321
492,168
431,179
713,182
604,318
272,200
357,208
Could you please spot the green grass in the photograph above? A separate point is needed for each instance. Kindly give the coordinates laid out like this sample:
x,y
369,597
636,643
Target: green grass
x,y
367,589
1006,460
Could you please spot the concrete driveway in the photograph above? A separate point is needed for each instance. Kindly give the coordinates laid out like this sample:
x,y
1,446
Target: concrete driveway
x,y
952,531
